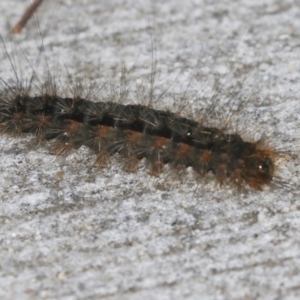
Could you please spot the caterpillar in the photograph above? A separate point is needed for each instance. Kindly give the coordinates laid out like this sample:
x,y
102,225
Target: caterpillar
x,y
134,132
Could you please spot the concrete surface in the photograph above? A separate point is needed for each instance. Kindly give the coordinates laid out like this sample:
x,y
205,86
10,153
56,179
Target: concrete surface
x,y
69,231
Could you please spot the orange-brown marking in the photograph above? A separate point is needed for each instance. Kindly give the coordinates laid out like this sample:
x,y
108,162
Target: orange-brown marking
x,y
156,168
73,126
131,164
254,183
44,119
205,156
133,136
17,116
183,149
103,131
102,160
160,142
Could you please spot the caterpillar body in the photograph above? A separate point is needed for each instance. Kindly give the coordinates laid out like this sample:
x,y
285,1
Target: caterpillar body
x,y
136,132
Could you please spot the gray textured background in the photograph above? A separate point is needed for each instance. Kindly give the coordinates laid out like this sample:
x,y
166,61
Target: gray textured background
x,y
69,231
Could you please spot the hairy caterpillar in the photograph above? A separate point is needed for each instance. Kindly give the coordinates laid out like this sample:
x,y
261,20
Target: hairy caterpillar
x,y
135,132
